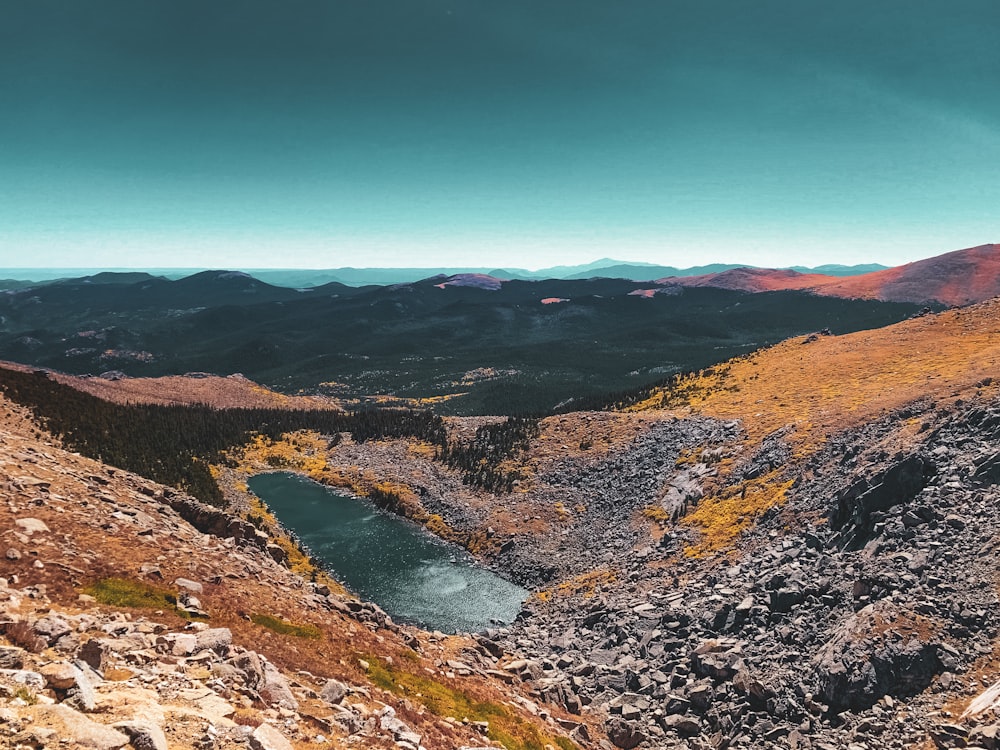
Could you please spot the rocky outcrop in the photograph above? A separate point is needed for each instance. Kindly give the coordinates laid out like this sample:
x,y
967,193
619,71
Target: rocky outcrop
x,y
209,520
137,683
834,633
858,503
875,653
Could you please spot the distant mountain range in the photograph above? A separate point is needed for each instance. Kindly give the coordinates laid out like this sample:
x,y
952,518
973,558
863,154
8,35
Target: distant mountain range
x,y
645,272
14,278
475,339
957,278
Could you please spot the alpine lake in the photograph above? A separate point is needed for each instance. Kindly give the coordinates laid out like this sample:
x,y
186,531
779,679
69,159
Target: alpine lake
x,y
391,561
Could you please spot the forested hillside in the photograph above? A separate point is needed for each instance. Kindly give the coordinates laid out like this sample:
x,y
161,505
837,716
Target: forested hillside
x,y
509,347
175,444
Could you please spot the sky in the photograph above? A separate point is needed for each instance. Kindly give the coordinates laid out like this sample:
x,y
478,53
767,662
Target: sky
x,y
513,133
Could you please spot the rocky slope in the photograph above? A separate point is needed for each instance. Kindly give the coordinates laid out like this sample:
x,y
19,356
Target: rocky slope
x,y
855,612
131,615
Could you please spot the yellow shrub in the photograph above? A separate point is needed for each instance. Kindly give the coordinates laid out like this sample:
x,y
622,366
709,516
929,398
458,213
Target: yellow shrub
x,y
722,517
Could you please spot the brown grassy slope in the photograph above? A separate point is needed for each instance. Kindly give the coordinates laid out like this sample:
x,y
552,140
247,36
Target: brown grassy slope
x,y
961,277
213,390
753,280
836,382
812,388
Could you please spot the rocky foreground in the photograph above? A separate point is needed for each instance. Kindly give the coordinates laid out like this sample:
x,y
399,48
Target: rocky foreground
x,y
862,613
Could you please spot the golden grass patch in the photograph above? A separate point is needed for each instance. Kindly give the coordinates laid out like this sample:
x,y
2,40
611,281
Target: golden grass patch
x,y
835,382
122,592
585,585
723,516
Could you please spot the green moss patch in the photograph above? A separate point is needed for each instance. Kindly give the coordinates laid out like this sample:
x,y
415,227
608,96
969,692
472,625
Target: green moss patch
x,y
286,628
121,592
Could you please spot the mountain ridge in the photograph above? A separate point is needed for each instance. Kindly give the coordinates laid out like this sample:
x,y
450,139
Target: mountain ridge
x,y
414,340
960,277
351,276
935,279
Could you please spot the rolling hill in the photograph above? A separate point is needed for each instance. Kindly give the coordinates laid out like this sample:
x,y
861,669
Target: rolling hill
x,y
957,278
304,277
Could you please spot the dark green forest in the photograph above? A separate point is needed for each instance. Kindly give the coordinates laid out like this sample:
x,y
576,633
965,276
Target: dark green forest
x,y
493,351
480,459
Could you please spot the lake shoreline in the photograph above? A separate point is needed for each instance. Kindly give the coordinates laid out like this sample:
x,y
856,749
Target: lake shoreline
x,y
390,560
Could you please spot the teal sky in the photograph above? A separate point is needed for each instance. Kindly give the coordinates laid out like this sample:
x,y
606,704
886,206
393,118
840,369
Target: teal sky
x,y
324,133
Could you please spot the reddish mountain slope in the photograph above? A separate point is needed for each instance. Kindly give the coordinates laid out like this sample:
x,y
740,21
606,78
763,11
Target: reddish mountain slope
x,y
957,278
753,280
961,277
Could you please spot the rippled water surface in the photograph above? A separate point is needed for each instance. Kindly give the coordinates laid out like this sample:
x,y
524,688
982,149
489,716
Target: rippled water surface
x,y
388,560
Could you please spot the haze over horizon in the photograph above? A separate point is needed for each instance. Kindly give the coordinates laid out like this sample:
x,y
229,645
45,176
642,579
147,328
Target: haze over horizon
x,y
426,133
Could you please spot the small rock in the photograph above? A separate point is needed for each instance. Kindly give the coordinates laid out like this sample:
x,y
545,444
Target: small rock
x,y
274,689
408,739
11,657
74,727
266,737
60,675
143,736
82,695
719,666
52,628
333,692
683,725
624,734
182,644
24,677
214,639
95,653
31,525
987,737
188,585
955,521
701,696
949,735
190,603
630,713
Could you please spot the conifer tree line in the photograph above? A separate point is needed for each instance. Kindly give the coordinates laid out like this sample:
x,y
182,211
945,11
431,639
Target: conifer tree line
x,y
174,444
481,460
